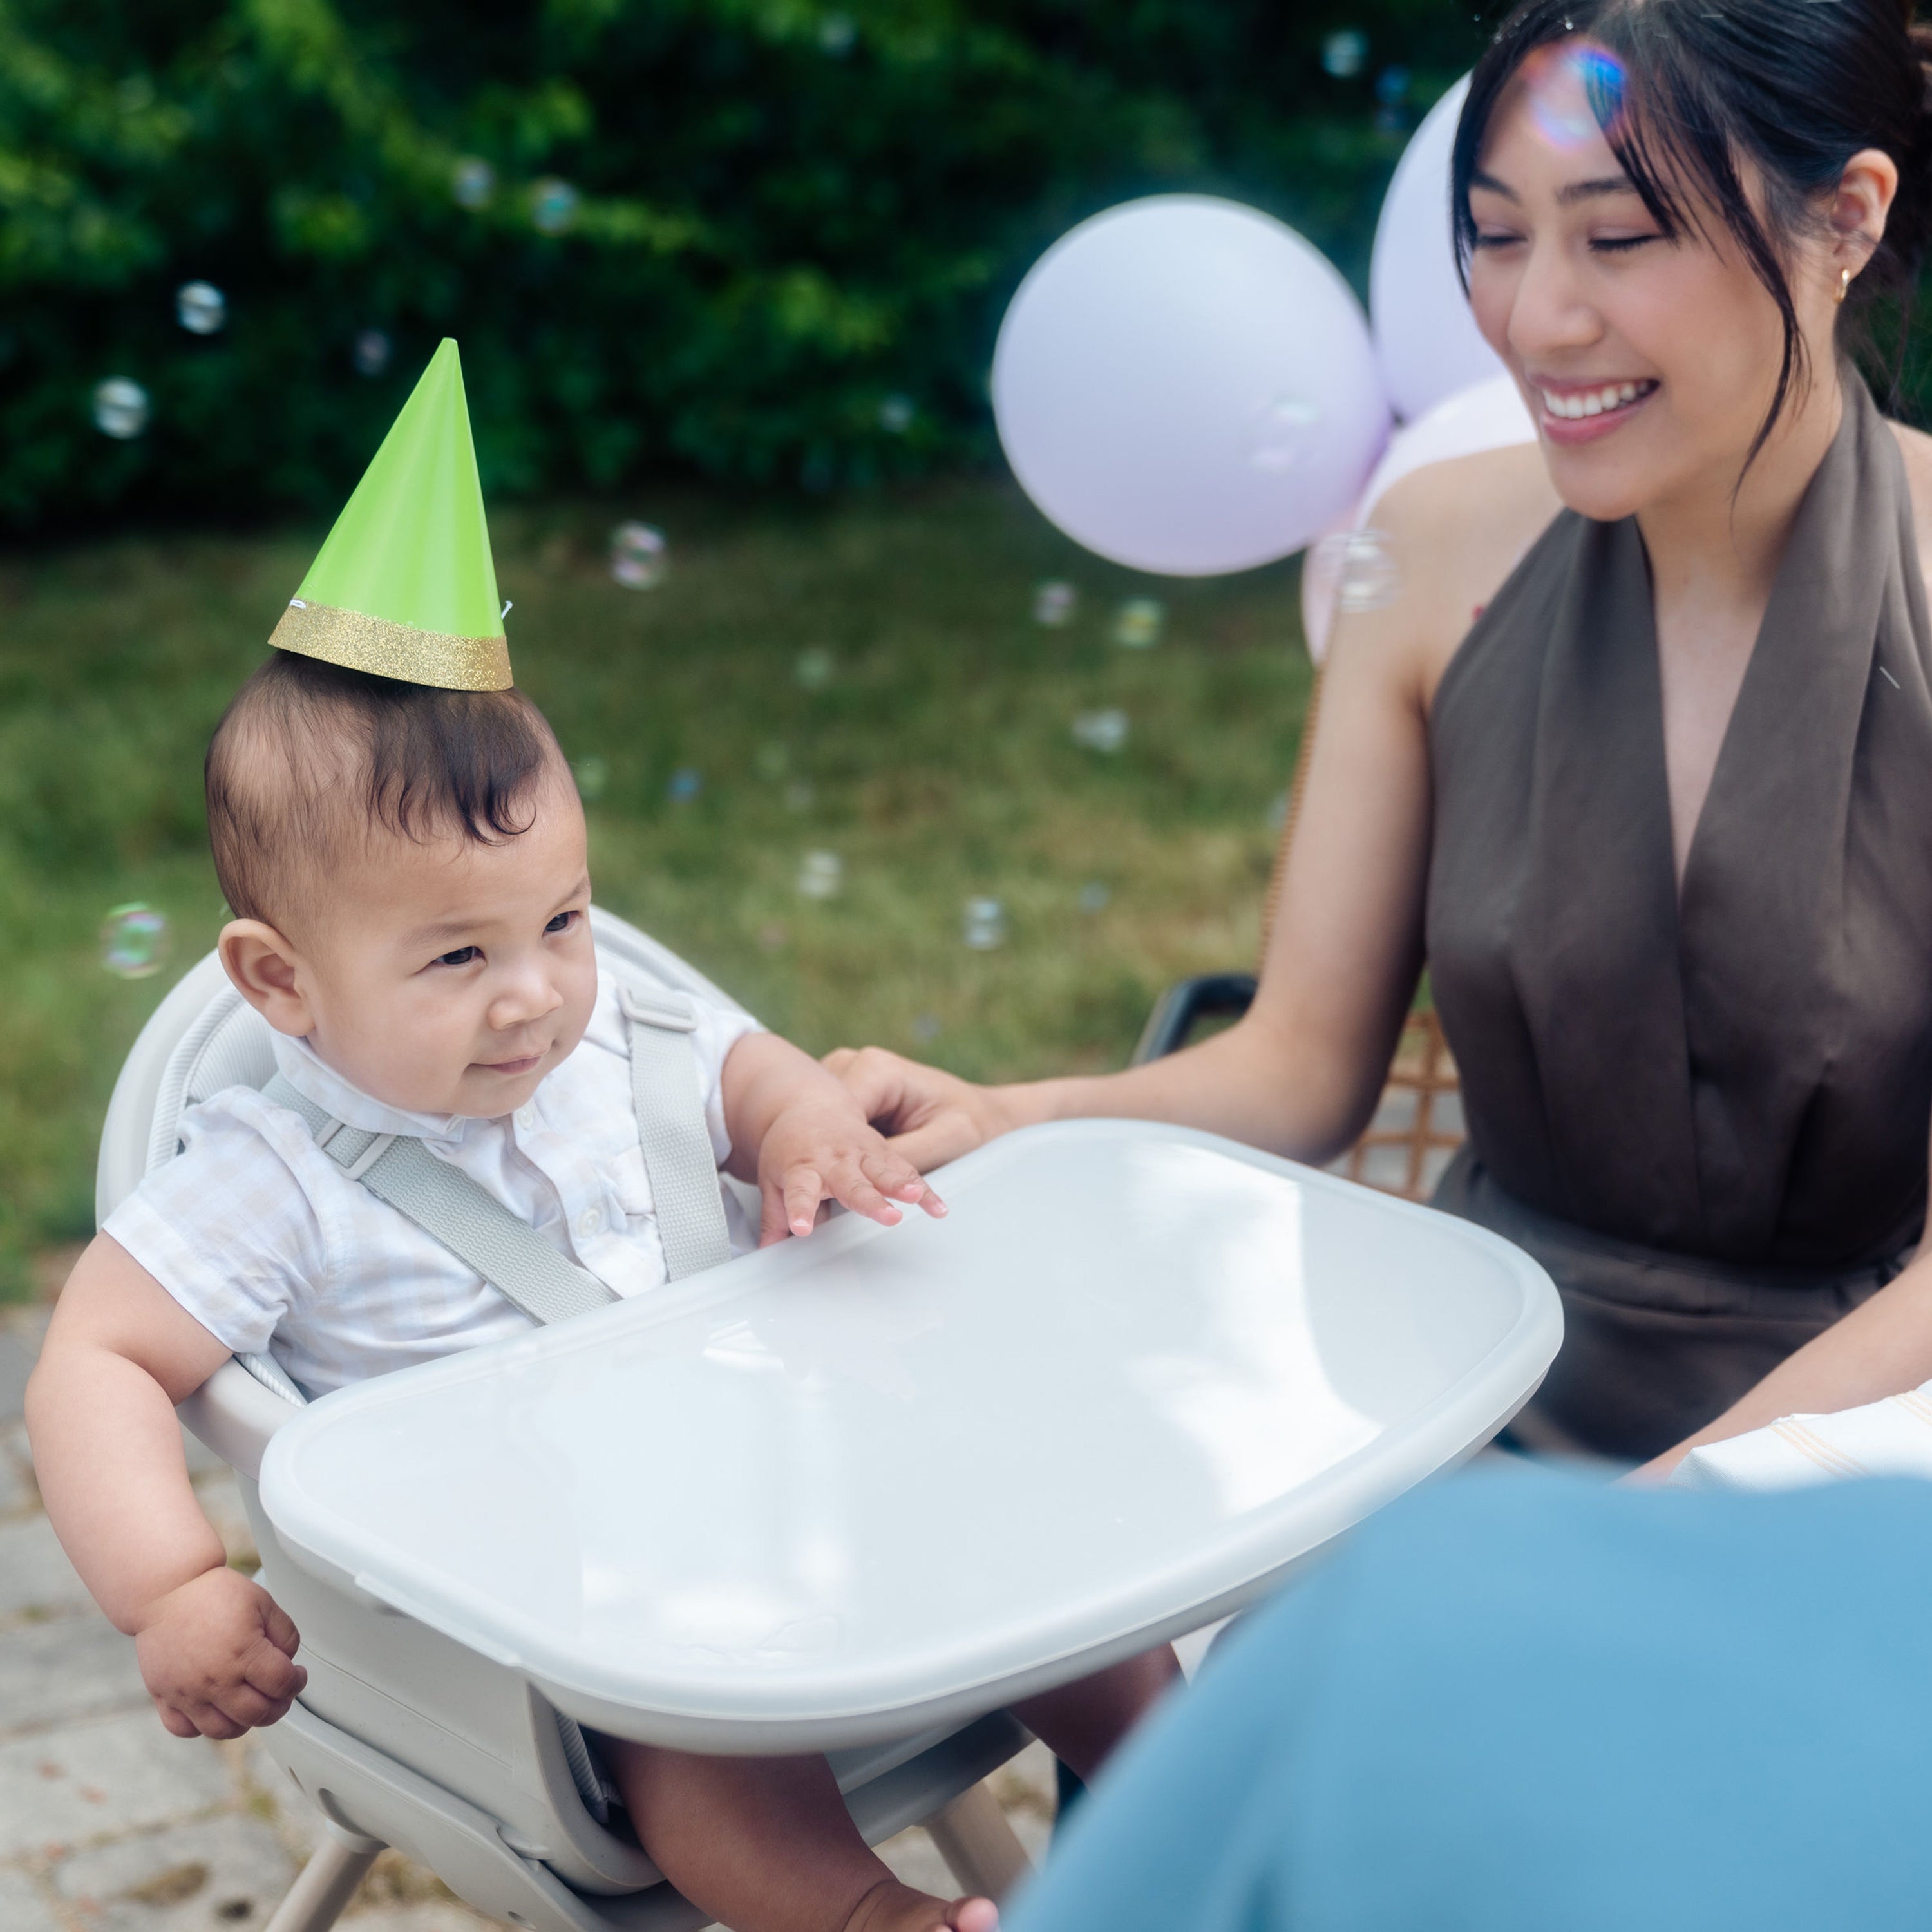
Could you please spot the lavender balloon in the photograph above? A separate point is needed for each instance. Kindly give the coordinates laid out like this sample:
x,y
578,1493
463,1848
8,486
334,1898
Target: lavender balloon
x,y
1187,386
1425,338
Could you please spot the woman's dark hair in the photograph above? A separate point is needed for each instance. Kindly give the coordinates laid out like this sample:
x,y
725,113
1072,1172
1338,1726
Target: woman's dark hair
x,y
1695,88
309,759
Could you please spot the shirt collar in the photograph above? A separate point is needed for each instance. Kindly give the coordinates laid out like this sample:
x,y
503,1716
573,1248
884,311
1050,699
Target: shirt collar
x,y
312,1077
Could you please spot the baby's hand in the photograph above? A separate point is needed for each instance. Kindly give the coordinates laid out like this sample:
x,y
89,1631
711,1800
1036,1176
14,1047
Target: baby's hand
x,y
822,1148
217,1655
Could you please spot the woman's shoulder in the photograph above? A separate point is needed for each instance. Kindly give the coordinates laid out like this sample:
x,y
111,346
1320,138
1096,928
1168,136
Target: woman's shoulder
x,y
1455,530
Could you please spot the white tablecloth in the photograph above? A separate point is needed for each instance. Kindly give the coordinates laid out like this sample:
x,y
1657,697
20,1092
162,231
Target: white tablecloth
x,y
1891,1438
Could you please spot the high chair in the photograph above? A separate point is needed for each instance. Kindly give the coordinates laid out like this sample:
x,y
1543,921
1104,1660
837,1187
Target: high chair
x,y
854,1494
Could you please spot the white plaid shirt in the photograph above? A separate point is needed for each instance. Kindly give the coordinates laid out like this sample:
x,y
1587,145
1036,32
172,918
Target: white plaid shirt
x,y
272,1249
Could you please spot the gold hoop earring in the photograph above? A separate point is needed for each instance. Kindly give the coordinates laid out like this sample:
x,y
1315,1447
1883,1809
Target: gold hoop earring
x,y
1844,284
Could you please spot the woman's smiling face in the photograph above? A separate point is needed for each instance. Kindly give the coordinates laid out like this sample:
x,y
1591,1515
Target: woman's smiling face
x,y
1649,361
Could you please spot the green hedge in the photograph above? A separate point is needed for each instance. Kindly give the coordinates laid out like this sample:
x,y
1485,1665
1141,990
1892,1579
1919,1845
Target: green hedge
x,y
795,225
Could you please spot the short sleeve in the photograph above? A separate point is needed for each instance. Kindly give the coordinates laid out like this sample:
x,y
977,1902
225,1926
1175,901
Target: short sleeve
x,y
718,1030
226,1227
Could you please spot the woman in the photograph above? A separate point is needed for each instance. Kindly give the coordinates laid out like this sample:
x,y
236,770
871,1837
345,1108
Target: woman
x,y
1640,764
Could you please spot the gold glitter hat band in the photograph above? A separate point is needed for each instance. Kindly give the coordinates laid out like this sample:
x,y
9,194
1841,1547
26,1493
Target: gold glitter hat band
x,y
385,649
404,587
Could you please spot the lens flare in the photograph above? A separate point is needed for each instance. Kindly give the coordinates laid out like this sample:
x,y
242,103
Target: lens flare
x,y
1576,92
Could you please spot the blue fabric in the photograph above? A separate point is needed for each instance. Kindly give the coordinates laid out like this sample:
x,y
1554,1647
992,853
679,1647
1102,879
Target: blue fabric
x,y
1522,1703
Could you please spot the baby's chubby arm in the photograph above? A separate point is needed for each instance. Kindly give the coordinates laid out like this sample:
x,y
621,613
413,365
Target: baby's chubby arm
x,y
216,1652
797,1131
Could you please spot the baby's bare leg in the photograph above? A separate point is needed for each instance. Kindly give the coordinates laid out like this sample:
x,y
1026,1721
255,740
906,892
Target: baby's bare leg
x,y
1082,1722
765,1844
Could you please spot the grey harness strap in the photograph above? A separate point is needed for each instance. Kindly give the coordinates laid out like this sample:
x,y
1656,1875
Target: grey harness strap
x,y
510,1255
676,1138
442,1201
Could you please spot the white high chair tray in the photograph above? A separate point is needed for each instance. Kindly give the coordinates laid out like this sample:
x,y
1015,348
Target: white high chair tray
x,y
881,1478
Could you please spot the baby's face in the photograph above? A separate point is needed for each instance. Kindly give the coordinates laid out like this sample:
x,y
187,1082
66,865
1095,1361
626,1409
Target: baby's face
x,y
450,977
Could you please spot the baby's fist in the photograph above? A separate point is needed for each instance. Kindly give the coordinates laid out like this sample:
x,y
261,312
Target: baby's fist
x,y
217,1655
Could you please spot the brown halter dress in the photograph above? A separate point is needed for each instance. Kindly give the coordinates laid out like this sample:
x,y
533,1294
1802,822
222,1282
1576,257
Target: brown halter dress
x,y
1706,1114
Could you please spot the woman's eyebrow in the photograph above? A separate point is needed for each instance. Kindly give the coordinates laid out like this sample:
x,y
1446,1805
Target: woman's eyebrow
x,y
1571,192
1589,190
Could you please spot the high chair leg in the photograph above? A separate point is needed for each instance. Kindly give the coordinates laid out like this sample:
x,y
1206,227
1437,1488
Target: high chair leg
x,y
325,1884
978,1844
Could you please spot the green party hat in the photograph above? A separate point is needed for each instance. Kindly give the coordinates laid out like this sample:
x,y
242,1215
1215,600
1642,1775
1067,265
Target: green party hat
x,y
405,587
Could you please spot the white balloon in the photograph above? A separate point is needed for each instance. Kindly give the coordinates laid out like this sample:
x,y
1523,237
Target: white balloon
x,y
1425,338
1488,415
1185,385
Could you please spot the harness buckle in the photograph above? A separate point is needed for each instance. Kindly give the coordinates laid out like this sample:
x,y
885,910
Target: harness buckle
x,y
657,1006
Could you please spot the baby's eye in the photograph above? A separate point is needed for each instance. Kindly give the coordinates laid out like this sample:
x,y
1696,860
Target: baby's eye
x,y
563,922
461,956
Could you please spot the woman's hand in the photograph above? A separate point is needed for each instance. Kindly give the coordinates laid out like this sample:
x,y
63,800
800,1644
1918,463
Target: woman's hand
x,y
931,1117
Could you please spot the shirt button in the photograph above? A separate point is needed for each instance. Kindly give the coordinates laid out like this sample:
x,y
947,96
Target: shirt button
x,y
590,1221
526,1118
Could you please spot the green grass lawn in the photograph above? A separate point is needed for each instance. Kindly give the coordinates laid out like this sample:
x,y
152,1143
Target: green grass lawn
x,y
863,679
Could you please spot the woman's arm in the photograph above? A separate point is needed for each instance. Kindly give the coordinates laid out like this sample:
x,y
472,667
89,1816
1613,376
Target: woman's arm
x,y
1882,1347
1301,1073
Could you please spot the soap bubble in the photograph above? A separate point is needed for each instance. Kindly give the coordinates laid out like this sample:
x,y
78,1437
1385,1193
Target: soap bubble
x,y
1100,730
820,875
896,415
639,556
925,1026
1362,571
553,206
836,34
1055,602
120,408
201,308
771,762
984,925
473,183
814,672
1137,623
370,352
684,785
799,794
1280,436
592,774
135,941
1345,53
1094,897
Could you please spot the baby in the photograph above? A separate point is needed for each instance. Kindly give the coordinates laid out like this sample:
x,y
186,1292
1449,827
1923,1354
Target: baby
x,y
407,872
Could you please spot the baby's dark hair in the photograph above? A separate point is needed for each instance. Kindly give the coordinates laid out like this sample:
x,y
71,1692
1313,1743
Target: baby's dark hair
x,y
309,760
1693,89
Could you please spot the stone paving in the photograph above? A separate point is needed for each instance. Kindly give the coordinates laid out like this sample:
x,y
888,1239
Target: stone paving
x,y
108,1824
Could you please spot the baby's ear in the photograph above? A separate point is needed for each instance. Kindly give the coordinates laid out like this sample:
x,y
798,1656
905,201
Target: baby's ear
x,y
263,966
